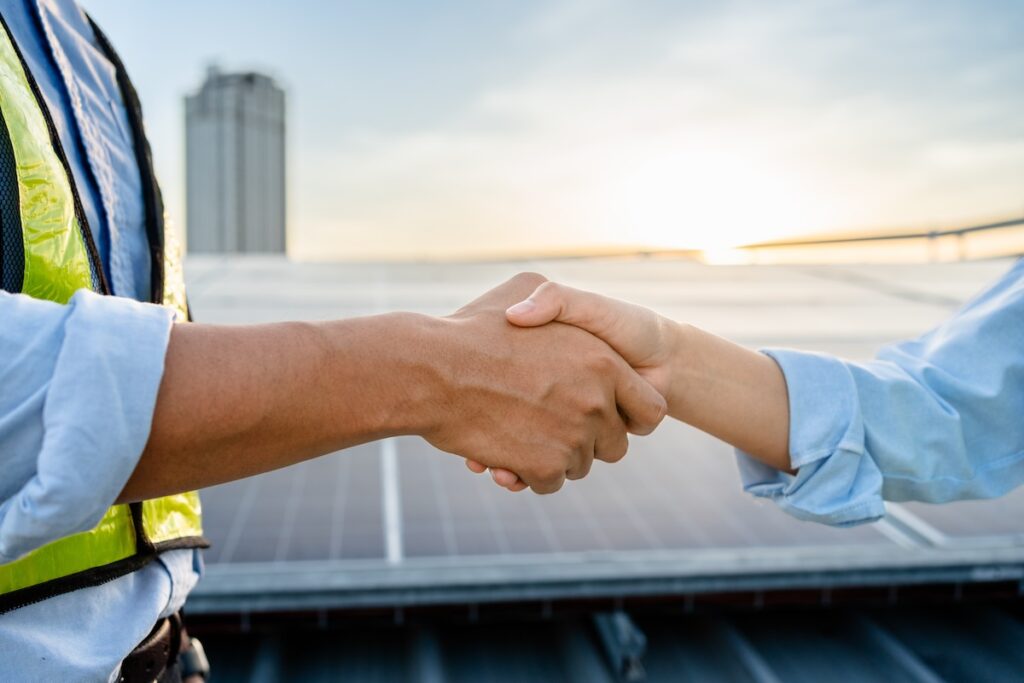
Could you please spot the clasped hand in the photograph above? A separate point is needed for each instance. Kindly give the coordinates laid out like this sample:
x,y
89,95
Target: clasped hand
x,y
537,406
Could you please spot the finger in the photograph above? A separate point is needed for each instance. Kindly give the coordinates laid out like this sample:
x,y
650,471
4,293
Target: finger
x,y
548,486
642,407
518,486
583,462
612,443
579,471
504,478
474,466
554,301
633,331
505,294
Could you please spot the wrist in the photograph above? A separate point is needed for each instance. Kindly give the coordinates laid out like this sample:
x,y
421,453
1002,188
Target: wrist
x,y
417,371
681,343
394,363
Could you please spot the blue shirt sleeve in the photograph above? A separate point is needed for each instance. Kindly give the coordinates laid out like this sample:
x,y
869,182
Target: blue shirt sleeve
x,y
936,419
79,388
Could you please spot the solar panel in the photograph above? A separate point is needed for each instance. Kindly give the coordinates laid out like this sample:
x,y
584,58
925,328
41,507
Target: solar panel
x,y
976,518
677,489
324,509
399,508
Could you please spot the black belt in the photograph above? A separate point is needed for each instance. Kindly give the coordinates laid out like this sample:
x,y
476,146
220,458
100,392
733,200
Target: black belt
x,y
156,657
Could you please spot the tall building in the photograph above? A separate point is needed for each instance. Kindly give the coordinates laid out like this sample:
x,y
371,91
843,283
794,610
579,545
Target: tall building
x,y
235,164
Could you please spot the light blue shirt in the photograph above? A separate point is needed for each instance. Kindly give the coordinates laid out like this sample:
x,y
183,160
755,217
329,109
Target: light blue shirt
x,y
936,419
80,381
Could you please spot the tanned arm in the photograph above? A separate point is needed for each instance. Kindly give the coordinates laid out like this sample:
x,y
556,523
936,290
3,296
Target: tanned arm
x,y
237,401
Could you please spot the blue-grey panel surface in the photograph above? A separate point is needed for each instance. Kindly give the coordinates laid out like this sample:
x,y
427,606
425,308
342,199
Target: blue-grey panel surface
x,y
676,489
972,518
327,508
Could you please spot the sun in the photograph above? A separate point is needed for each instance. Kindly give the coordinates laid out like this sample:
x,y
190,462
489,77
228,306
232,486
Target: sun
x,y
709,197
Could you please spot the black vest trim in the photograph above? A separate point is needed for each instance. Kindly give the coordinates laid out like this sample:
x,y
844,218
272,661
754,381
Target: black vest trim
x,y
12,239
97,575
151,196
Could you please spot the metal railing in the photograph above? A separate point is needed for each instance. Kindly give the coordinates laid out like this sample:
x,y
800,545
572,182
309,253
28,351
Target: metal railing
x,y
932,237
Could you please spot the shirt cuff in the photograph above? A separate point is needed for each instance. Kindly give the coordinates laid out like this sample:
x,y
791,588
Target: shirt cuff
x,y
96,419
836,480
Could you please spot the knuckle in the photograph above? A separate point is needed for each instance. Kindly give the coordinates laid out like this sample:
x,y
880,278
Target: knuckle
x,y
543,472
549,487
577,443
592,403
579,472
550,289
604,362
529,279
550,473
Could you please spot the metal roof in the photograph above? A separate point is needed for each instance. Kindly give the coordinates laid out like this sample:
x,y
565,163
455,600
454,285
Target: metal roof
x,y
912,644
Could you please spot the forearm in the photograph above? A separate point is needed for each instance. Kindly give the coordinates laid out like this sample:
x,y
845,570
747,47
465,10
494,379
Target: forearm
x,y
238,401
719,387
730,392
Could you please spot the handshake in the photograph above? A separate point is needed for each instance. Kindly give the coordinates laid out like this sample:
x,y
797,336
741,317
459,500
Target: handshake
x,y
533,380
543,379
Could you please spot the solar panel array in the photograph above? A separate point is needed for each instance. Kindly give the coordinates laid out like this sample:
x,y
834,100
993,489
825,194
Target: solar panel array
x,y
675,491
400,501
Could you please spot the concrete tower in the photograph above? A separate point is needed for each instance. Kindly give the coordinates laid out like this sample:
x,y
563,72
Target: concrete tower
x,y
235,164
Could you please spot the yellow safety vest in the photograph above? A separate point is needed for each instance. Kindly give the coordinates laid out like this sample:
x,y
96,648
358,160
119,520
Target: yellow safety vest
x,y
60,258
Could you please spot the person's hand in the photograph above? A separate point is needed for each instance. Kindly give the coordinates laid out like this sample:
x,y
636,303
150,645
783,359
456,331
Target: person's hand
x,y
643,338
541,403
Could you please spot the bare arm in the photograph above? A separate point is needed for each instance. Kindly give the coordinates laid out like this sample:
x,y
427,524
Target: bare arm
x,y
237,401
730,392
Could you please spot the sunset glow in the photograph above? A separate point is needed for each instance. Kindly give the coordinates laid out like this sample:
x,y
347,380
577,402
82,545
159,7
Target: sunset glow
x,y
533,128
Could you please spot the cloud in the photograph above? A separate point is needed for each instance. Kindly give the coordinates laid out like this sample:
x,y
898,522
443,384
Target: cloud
x,y
708,128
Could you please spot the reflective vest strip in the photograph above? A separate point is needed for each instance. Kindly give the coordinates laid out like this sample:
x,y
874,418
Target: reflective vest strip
x,y
165,519
111,540
56,261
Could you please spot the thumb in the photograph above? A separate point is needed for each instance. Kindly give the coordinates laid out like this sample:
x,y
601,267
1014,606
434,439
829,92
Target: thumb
x,y
540,308
633,331
556,302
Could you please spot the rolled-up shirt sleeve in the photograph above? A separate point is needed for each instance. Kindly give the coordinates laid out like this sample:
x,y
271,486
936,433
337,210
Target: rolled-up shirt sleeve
x,y
936,419
79,388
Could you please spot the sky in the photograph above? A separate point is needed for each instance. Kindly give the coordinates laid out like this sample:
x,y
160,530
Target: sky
x,y
476,128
